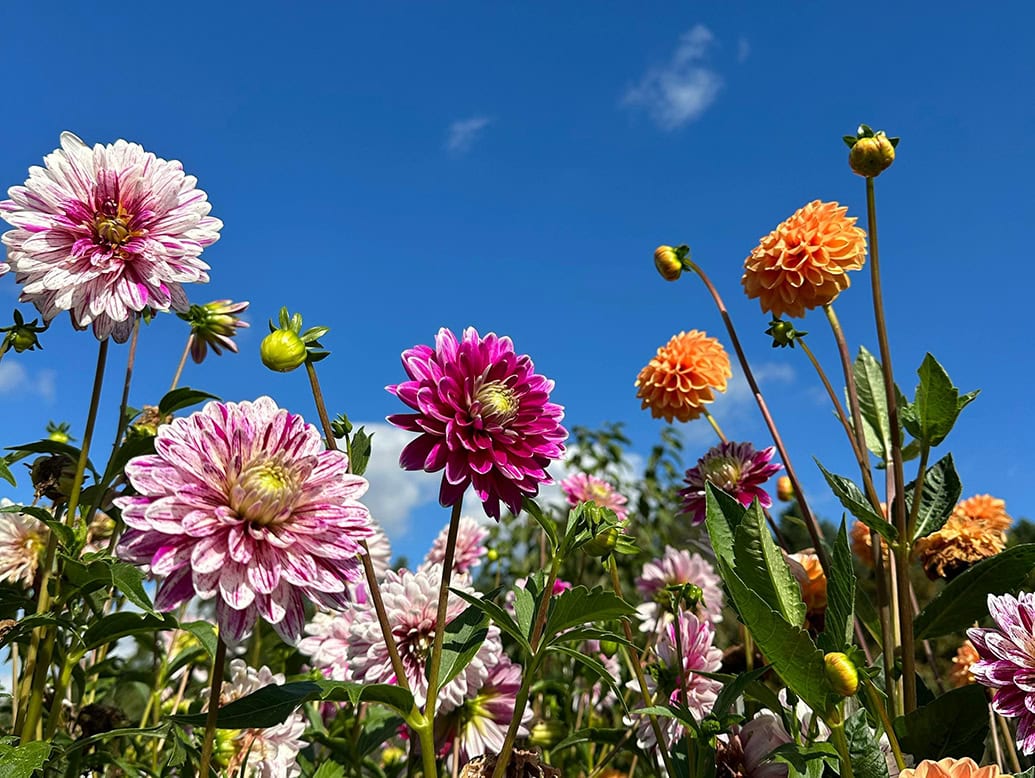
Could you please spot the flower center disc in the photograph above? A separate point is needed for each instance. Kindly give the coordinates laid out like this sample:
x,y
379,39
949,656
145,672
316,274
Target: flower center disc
x,y
265,492
723,472
112,225
497,402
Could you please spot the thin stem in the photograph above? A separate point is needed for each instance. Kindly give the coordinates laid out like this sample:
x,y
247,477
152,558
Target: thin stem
x,y
885,720
1011,749
810,521
898,506
321,408
183,362
715,425
678,633
838,408
837,734
918,489
213,709
374,590
64,677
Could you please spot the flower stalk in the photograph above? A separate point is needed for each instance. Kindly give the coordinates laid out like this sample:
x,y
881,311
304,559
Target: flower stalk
x,y
213,707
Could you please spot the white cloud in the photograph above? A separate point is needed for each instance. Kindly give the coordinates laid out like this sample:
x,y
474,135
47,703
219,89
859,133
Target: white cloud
x,y
684,88
743,50
463,133
15,379
394,493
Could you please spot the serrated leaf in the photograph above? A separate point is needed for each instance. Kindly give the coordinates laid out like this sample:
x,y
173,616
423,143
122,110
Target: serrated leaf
x,y
936,407
579,605
761,566
360,448
499,617
548,524
939,494
524,609
866,757
722,516
873,402
130,581
953,725
840,616
182,397
964,599
205,633
23,761
852,498
594,665
463,637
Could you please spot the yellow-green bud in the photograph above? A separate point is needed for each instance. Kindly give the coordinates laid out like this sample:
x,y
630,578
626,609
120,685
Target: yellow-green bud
x,y
841,673
784,489
58,436
225,746
393,756
603,544
871,156
283,350
492,555
547,734
668,263
608,647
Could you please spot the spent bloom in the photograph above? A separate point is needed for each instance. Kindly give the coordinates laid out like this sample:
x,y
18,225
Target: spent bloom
x,y
804,262
469,550
23,539
214,325
242,502
1007,661
583,487
975,530
484,416
950,768
736,468
104,233
675,568
681,378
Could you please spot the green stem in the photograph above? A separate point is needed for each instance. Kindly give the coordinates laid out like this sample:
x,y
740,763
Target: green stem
x,y
837,735
1011,749
321,408
885,720
183,362
374,590
715,424
918,489
59,694
213,709
678,632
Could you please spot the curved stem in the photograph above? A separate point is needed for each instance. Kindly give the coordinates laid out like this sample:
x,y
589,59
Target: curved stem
x,y
838,408
715,425
374,590
885,720
837,735
183,362
213,709
321,408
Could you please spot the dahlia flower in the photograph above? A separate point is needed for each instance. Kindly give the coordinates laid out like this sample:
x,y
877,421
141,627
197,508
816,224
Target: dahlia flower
x,y
675,568
583,487
696,637
469,550
744,751
411,602
950,768
262,753
481,721
242,502
862,543
483,414
808,571
214,325
104,233
804,262
1007,661
327,642
678,381
380,551
736,468
23,539
975,530
966,655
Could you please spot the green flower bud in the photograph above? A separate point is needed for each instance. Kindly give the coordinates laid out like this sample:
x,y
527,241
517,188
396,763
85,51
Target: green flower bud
x,y
668,263
547,734
58,432
783,333
608,647
842,673
603,543
872,155
283,350
492,555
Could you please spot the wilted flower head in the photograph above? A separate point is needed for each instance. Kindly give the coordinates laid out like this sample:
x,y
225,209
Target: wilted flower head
x,y
23,539
1007,661
976,530
736,468
804,262
214,324
675,568
469,551
105,233
808,571
966,655
483,414
950,768
242,502
583,487
680,379
411,602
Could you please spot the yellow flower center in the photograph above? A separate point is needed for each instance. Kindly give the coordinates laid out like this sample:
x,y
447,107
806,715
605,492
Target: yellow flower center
x,y
498,402
599,493
112,225
265,492
723,472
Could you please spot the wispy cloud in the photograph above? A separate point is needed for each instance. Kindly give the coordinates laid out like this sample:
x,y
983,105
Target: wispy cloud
x,y
15,379
463,133
743,50
684,88
394,493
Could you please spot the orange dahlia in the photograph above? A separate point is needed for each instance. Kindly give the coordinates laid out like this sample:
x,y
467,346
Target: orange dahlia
x,y
862,543
976,530
681,377
803,263
806,568
950,768
986,509
966,655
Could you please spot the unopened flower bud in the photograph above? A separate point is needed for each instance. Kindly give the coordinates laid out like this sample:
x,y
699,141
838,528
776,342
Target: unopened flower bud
x,y
872,155
393,756
608,647
783,333
784,489
842,673
492,555
547,734
283,350
668,263
603,543
58,432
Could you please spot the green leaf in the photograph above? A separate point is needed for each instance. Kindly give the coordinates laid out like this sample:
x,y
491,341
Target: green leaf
x,y
762,568
360,448
964,599
499,617
722,516
5,472
840,617
933,413
855,503
579,605
548,524
23,761
130,581
788,647
183,397
330,770
731,691
939,494
954,724
379,726
873,403
867,759
463,637
599,735
594,665
205,632
52,447
110,628
524,608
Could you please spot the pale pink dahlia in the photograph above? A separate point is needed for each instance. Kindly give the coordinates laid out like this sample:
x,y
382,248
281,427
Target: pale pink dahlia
x,y
583,487
327,642
736,468
1007,661
23,540
483,414
697,637
242,502
380,549
469,549
411,602
105,232
675,568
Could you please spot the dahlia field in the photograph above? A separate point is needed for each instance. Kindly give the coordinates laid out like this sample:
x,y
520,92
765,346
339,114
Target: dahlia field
x,y
207,593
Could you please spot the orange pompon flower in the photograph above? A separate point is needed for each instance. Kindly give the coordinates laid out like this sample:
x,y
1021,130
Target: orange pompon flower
x,y
985,508
808,571
680,379
966,655
951,768
804,262
862,543
976,530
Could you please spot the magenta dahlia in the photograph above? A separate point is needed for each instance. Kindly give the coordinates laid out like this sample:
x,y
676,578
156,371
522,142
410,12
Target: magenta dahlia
x,y
583,487
1007,661
736,468
105,232
483,414
242,502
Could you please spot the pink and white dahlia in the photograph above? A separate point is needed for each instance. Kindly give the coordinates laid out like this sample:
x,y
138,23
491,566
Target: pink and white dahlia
x,y
469,549
483,414
105,232
23,540
583,487
327,642
1007,661
675,568
699,653
261,753
481,722
736,468
242,502
411,603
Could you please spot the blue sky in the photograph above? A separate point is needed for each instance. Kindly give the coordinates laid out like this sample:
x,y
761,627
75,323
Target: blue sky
x,y
387,169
